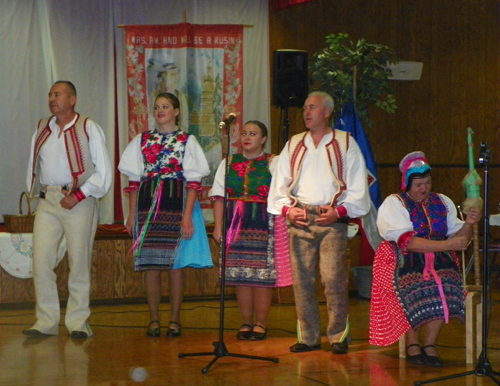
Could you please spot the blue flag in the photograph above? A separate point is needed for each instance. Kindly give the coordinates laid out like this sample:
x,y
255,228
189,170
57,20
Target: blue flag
x,y
349,121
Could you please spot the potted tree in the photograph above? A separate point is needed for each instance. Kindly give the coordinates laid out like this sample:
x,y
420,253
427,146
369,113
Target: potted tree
x,y
356,72
356,75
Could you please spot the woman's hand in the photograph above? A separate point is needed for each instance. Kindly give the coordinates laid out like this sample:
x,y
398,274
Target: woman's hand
x,y
473,216
458,243
129,224
217,234
187,228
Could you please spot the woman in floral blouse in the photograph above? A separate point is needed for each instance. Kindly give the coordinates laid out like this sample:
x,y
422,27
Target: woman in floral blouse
x,y
257,259
165,167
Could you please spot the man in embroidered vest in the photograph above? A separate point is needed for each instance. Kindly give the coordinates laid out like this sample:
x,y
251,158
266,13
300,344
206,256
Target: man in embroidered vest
x,y
70,161
320,180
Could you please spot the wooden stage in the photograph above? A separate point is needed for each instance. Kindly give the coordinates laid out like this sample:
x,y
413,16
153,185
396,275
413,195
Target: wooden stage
x,y
119,345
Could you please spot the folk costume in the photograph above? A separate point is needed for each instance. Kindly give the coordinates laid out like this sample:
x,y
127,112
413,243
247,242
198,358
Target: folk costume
x,y
75,161
161,166
333,173
410,289
256,242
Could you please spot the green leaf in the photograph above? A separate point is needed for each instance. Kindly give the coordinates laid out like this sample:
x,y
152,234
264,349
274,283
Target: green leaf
x,y
332,70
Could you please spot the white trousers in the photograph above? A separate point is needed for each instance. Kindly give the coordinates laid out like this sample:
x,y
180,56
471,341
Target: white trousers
x,y
78,225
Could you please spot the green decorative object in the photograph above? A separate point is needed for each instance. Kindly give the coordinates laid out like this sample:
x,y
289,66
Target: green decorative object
x,y
354,71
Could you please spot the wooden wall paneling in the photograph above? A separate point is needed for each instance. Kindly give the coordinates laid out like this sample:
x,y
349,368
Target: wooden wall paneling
x,y
113,275
127,283
62,271
12,289
459,44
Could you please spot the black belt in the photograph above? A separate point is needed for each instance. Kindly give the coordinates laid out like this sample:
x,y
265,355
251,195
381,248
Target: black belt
x,y
343,220
42,193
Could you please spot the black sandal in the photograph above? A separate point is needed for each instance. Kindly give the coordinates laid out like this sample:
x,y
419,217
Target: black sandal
x,y
246,334
154,332
259,335
174,332
417,359
432,360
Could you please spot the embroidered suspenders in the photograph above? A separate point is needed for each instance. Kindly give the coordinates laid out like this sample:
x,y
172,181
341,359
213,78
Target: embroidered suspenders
x,y
336,150
76,140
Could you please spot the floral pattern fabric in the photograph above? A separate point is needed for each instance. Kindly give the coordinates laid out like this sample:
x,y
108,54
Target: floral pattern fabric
x,y
256,254
401,296
429,217
163,154
249,179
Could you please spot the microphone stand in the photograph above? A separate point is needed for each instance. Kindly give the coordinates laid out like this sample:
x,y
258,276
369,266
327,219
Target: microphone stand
x,y
220,348
483,367
286,128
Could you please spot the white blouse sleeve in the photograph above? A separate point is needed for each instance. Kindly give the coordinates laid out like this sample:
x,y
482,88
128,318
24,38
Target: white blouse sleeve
x,y
98,183
282,178
273,164
194,163
218,186
393,219
454,223
131,162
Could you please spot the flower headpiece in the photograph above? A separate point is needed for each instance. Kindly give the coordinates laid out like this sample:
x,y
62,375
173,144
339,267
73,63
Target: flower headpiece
x,y
414,162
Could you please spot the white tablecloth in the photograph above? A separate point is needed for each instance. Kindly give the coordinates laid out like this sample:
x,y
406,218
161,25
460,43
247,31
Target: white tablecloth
x,y
16,253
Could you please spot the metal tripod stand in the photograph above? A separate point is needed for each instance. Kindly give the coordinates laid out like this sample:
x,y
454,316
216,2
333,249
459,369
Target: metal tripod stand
x,y
483,366
220,350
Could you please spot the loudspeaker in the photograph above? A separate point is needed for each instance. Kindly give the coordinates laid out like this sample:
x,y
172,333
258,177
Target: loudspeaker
x,y
290,78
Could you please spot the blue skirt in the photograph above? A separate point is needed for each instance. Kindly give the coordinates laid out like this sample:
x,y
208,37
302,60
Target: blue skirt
x,y
162,246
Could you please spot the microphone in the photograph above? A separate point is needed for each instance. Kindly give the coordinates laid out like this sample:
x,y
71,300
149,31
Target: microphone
x,y
227,122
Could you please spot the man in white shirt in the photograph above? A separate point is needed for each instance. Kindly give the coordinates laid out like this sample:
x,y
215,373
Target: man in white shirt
x,y
320,180
70,162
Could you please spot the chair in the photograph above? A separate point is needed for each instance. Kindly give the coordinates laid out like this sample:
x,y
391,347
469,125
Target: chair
x,y
493,250
473,305
494,247
494,242
473,328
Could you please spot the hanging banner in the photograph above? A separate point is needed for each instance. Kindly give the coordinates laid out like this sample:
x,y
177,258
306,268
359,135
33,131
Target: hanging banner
x,y
282,4
202,65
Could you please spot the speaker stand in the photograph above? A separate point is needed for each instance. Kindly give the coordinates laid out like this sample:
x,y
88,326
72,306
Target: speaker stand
x,y
286,128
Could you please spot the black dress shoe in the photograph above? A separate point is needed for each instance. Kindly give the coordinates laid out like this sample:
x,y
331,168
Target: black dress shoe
x,y
174,332
417,359
259,335
301,347
154,332
340,347
79,335
245,334
32,334
432,360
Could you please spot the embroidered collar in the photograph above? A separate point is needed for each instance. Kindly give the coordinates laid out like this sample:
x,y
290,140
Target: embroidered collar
x,y
171,134
253,158
415,200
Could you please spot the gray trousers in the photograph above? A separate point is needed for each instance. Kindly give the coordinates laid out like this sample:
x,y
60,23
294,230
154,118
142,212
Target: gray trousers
x,y
323,246
78,225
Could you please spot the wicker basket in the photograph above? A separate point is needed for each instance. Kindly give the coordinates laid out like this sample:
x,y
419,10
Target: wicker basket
x,y
20,223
